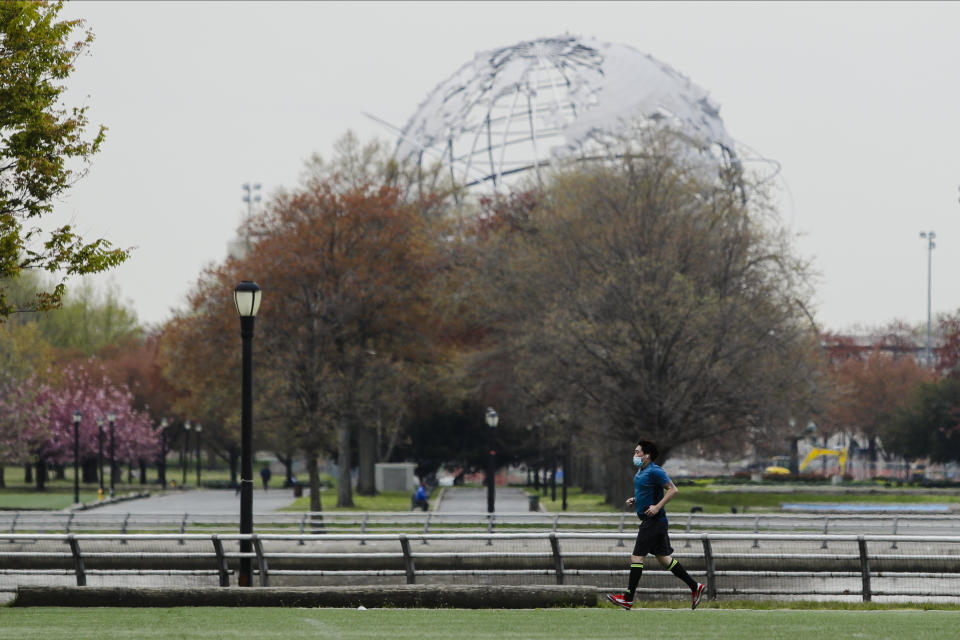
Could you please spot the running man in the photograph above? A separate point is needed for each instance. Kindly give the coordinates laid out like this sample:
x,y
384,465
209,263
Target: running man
x,y
652,490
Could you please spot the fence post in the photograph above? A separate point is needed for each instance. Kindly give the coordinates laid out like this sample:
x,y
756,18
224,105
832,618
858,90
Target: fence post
x,y
557,558
303,526
426,527
123,528
895,518
407,559
711,569
183,526
620,529
261,561
221,561
864,568
77,561
66,529
756,529
489,528
826,526
363,528
689,524
13,523
556,520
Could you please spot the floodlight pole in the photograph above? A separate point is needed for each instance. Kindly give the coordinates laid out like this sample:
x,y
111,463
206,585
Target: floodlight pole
x,y
931,245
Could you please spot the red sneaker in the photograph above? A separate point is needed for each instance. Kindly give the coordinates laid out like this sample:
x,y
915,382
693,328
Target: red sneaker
x,y
620,600
696,594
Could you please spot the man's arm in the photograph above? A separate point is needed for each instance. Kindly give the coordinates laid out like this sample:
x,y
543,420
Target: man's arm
x,y
669,491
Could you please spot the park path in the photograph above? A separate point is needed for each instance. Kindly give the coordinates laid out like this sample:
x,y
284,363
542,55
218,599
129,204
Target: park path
x,y
203,501
469,500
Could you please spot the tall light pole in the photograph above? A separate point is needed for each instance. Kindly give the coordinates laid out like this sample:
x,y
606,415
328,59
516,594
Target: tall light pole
x,y
162,470
111,417
76,456
199,428
931,245
251,194
183,452
100,453
246,296
492,419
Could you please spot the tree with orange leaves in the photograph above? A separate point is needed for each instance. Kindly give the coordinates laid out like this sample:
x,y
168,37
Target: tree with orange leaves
x,y
869,391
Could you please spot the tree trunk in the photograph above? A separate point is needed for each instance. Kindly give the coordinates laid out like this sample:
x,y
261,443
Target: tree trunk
x,y
316,520
88,469
41,473
344,488
28,473
59,472
367,454
314,475
287,461
3,482
143,471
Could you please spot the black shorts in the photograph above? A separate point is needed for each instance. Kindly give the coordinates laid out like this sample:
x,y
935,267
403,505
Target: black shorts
x,y
653,538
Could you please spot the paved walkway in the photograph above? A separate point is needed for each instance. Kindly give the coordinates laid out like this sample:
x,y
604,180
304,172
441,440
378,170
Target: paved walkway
x,y
206,501
468,500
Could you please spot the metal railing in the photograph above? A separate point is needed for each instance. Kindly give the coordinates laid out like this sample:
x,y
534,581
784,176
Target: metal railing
x,y
442,522
730,564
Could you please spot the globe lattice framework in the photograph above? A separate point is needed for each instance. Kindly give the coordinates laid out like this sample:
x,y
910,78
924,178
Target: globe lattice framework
x,y
517,109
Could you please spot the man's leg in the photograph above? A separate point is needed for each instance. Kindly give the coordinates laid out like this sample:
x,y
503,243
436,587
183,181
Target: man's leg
x,y
625,599
674,566
636,571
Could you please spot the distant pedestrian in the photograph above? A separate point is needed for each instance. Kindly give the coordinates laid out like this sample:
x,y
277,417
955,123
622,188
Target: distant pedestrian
x,y
419,498
265,476
652,490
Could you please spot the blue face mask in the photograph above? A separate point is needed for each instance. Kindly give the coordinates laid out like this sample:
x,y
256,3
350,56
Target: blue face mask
x,y
637,461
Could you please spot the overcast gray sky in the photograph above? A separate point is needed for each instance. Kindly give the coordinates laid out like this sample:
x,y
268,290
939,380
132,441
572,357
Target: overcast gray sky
x,y
859,103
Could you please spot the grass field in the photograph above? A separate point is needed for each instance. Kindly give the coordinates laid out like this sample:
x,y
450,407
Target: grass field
x,y
437,624
712,501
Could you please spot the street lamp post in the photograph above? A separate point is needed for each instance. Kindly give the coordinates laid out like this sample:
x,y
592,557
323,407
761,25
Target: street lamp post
x,y
931,245
111,417
492,420
246,296
76,456
162,470
199,429
183,452
100,454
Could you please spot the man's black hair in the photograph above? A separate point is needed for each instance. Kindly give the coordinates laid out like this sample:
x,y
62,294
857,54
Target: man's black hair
x,y
649,448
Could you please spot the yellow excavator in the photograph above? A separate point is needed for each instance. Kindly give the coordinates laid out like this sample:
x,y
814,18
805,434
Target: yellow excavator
x,y
816,453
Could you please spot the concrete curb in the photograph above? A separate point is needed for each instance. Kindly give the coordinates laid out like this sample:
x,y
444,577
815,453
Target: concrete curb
x,y
86,506
393,596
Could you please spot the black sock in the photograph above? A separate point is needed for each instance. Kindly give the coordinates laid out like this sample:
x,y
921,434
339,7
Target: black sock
x,y
678,570
636,570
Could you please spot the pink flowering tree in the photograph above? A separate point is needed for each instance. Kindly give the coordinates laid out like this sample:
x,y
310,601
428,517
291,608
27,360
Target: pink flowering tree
x,y
86,388
23,421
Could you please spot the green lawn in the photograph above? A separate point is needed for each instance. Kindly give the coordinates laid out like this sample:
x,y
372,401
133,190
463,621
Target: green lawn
x,y
429,624
712,501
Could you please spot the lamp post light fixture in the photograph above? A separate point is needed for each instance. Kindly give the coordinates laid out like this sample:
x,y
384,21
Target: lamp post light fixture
x,y
492,419
246,297
111,418
76,456
183,452
199,428
931,245
162,469
100,454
